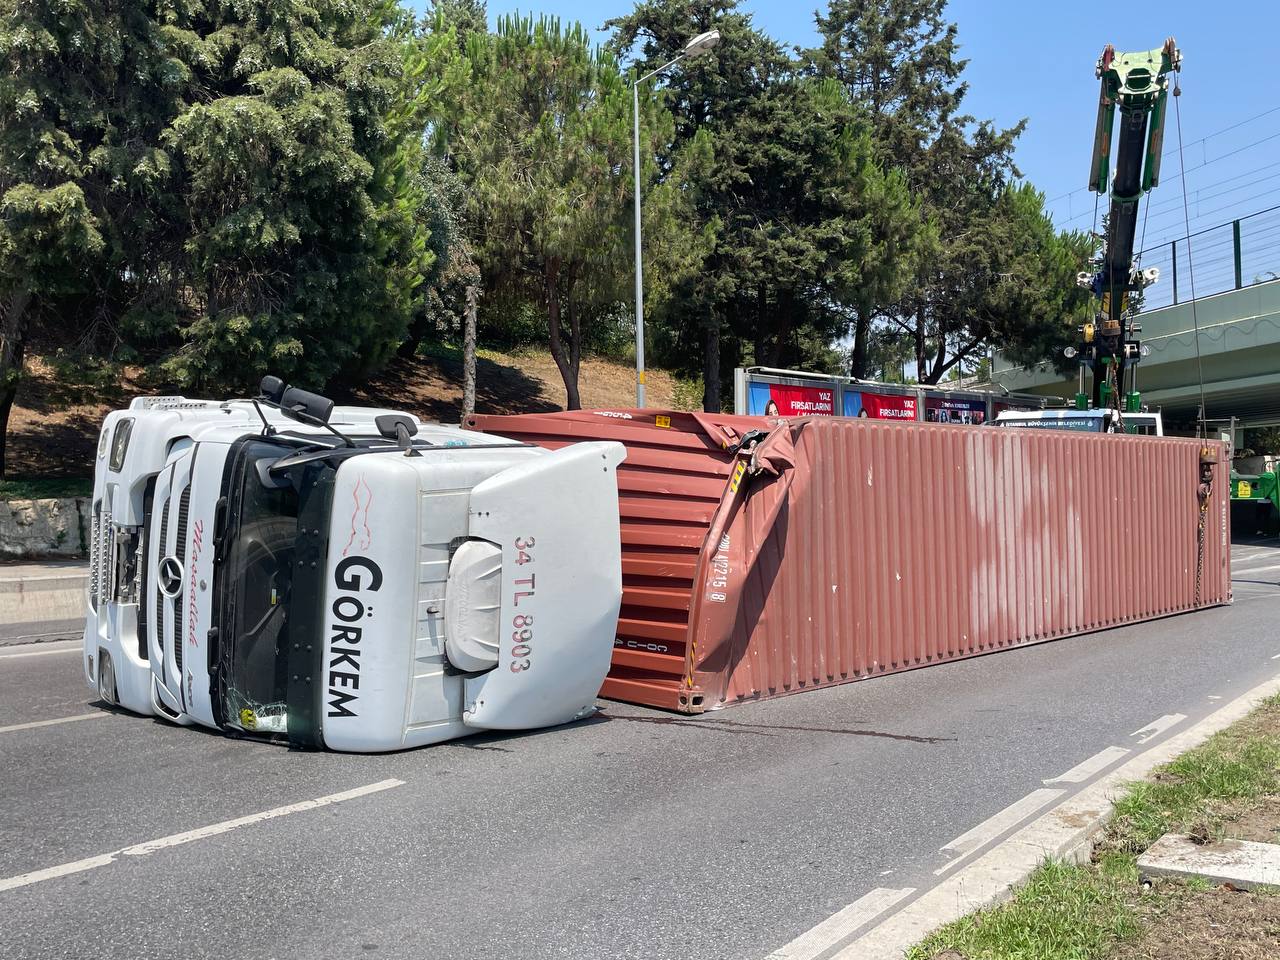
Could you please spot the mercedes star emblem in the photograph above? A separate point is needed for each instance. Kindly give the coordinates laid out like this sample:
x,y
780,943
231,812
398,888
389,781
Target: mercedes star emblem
x,y
170,576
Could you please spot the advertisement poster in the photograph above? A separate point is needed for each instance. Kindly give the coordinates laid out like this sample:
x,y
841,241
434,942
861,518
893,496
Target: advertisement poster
x,y
879,406
784,400
948,410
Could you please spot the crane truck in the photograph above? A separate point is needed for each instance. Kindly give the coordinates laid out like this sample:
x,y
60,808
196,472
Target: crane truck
x,y
346,578
1135,85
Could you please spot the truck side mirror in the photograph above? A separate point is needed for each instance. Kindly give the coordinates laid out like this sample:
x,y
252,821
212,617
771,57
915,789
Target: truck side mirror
x,y
401,429
307,403
271,388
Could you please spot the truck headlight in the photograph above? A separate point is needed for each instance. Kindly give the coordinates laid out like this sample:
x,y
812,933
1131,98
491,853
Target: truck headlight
x,y
120,442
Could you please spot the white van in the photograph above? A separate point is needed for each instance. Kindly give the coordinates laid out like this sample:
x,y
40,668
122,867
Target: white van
x,y
1089,421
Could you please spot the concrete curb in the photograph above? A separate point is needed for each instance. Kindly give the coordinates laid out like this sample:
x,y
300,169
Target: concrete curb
x,y
1068,832
40,600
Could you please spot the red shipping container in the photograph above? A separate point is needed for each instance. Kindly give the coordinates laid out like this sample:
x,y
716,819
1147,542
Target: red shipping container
x,y
762,557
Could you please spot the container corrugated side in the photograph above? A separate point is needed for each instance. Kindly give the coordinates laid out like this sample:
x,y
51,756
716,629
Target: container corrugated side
x,y
841,549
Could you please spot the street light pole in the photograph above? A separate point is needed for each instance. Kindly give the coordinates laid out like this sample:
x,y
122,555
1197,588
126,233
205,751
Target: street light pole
x,y
635,114
698,45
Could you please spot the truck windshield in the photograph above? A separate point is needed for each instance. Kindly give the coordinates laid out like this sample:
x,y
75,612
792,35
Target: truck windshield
x,y
258,569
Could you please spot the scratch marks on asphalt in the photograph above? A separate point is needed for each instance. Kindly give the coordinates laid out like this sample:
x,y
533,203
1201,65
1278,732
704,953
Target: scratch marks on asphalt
x,y
764,729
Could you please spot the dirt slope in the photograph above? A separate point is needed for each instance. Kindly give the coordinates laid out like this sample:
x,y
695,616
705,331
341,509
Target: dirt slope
x,y
54,424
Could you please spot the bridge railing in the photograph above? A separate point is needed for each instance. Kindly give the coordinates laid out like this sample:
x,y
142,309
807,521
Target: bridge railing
x,y
1228,256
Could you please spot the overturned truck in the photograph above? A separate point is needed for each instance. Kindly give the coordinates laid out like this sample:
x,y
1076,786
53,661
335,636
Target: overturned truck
x,y
346,577
762,557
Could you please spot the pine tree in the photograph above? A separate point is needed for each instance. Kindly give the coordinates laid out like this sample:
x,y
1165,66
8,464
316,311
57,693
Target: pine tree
x,y
995,263
806,222
296,159
538,127
85,89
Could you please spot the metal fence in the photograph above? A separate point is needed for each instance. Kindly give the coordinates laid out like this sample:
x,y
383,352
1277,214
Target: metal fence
x,y
1231,255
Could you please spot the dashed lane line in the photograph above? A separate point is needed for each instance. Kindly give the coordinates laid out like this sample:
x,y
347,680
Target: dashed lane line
x,y
14,728
40,653
1087,768
201,833
837,927
1064,832
1158,726
995,825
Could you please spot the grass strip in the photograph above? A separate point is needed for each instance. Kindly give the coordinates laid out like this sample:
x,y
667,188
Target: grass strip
x,y
1069,912
19,489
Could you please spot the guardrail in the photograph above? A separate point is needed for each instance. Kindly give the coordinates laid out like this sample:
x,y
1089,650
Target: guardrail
x,y
1229,256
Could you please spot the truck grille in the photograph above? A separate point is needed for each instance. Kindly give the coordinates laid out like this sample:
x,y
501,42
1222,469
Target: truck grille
x,y
95,555
179,606
160,555
106,558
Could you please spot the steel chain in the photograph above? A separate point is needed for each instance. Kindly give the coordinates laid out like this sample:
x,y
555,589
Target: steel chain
x,y
1204,509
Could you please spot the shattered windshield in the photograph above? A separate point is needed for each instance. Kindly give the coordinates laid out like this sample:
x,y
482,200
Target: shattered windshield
x,y
261,538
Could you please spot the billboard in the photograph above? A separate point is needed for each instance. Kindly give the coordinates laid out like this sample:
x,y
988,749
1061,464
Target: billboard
x,y
879,406
785,400
954,410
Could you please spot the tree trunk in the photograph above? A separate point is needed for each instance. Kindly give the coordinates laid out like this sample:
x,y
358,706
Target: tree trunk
x,y
13,328
921,346
858,357
565,363
469,353
940,365
711,368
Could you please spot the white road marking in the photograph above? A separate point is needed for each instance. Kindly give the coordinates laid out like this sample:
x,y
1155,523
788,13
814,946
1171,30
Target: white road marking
x,y
1158,726
1276,657
1212,697
993,826
51,723
1065,832
838,926
40,653
190,836
1087,768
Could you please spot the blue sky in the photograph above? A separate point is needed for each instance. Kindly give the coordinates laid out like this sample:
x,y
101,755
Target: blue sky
x,y
1035,59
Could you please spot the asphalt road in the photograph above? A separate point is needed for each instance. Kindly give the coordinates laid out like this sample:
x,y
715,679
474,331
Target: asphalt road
x,y
635,834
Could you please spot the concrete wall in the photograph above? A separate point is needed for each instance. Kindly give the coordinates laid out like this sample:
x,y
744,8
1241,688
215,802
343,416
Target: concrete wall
x,y
45,528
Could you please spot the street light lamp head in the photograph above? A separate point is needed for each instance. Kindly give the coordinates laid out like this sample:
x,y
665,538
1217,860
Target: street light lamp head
x,y
701,43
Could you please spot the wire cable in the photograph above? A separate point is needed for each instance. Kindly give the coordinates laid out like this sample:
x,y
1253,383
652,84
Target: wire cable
x,y
1169,153
1191,268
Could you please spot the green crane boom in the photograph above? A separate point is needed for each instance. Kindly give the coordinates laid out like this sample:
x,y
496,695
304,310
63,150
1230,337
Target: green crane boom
x,y
1135,85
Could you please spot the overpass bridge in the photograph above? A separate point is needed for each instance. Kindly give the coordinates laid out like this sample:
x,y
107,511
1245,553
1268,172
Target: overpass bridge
x,y
1237,312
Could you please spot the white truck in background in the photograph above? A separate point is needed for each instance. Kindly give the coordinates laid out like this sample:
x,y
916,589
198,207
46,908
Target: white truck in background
x,y
1085,421
346,578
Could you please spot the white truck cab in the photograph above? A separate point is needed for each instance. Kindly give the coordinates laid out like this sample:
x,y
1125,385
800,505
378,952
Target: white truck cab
x,y
1089,421
346,577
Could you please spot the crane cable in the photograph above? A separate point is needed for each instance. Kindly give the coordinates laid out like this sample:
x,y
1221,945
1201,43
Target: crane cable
x,y
1202,428
1208,458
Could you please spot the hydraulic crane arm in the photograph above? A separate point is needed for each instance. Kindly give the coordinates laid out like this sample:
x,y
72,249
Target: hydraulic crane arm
x,y
1136,85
